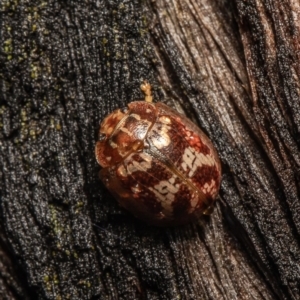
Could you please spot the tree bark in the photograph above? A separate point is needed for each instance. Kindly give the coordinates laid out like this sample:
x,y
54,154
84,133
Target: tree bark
x,y
230,66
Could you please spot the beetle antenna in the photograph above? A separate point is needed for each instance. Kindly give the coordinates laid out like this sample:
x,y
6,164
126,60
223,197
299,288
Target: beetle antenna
x,y
146,88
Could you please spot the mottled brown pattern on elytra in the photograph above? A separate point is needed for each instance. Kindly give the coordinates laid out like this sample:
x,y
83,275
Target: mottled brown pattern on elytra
x,y
193,139
186,128
182,201
144,196
140,181
149,200
174,152
175,149
204,175
143,203
152,176
196,142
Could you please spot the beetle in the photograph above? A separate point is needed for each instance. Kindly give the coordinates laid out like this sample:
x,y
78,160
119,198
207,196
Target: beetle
x,y
157,163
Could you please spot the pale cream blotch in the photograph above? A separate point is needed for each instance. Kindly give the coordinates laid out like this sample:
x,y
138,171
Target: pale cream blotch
x,y
191,160
165,120
161,136
112,144
209,188
165,191
142,130
193,202
125,130
137,117
136,189
108,126
122,171
134,166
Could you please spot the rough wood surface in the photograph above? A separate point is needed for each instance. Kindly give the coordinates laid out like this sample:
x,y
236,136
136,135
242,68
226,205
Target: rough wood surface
x,y
231,66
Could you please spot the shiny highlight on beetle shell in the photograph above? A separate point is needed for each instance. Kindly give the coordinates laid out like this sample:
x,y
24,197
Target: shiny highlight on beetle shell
x,y
158,164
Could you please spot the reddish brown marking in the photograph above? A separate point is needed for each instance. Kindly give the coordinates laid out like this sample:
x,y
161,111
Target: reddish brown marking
x,y
145,110
149,200
186,128
152,176
196,142
111,121
104,151
175,149
204,175
144,199
182,203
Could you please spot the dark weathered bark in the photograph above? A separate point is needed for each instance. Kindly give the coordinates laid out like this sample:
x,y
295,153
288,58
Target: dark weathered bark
x,y
231,66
